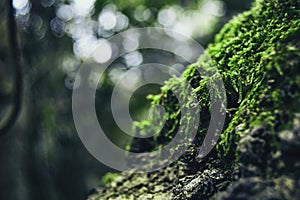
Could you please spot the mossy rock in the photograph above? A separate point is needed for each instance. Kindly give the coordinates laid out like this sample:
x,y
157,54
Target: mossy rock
x,y
258,57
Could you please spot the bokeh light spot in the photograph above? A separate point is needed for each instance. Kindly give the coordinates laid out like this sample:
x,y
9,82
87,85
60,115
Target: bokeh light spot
x,y
103,52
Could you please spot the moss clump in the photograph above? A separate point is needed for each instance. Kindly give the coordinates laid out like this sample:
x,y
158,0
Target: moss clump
x,y
109,178
258,56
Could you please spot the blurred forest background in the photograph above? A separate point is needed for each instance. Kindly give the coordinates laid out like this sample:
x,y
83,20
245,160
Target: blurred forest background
x,y
41,155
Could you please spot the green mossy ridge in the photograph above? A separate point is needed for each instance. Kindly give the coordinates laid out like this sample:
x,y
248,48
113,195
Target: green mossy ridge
x,y
258,56
266,45
253,50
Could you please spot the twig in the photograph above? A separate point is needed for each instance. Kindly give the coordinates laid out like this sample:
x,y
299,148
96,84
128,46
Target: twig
x,y
15,58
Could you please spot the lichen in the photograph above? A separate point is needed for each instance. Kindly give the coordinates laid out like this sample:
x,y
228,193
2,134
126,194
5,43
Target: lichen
x,y
257,55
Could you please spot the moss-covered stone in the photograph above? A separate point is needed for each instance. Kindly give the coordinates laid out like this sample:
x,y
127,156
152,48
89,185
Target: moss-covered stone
x,y
258,57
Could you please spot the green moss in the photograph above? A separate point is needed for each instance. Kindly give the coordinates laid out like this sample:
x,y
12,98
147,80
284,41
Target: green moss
x,y
253,50
257,55
109,177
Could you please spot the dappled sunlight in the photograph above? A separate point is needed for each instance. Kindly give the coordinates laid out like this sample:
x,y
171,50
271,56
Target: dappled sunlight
x,y
22,6
103,52
88,31
82,8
